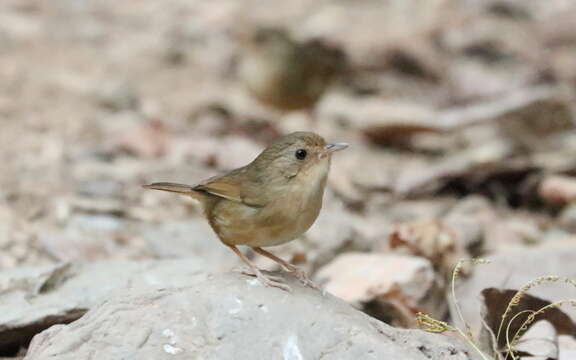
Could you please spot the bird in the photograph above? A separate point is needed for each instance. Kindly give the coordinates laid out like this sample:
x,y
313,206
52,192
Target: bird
x,y
271,201
286,74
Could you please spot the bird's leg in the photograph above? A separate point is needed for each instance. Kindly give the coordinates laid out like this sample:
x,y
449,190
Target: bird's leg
x,y
266,280
285,264
300,274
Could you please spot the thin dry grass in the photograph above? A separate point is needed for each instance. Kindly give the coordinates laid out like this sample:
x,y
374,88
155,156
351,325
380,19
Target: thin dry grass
x,y
430,324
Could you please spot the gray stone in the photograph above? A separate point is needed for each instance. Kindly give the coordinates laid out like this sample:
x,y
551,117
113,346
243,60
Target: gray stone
x,y
361,277
34,298
232,316
540,341
567,218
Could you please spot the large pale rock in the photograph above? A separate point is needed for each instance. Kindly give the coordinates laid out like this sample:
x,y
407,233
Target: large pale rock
x,y
231,316
359,277
35,298
390,287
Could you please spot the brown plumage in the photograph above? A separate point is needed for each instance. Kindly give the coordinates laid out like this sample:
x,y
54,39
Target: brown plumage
x,y
285,74
268,202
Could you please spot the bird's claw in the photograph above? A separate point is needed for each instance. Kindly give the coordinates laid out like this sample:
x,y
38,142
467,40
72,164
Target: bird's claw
x,y
304,278
273,281
268,280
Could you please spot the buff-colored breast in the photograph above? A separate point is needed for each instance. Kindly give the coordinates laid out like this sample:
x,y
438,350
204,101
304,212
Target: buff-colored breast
x,y
287,217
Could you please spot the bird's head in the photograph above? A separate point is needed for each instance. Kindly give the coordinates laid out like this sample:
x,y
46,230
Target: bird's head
x,y
301,156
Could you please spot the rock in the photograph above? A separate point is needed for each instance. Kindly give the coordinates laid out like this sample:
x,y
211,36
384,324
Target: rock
x,y
390,287
567,347
558,189
35,298
100,188
536,123
567,218
540,341
148,139
117,96
385,122
346,276
6,225
332,233
231,316
88,237
469,218
512,230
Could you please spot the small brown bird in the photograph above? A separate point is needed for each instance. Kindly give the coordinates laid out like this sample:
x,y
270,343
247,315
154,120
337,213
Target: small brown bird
x,y
285,74
268,202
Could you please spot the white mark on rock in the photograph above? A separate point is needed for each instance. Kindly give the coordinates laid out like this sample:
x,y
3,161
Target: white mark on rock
x,y
193,321
172,340
253,282
152,280
172,350
354,331
291,349
236,309
170,335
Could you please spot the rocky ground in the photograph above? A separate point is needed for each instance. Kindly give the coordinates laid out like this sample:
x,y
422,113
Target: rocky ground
x,y
460,117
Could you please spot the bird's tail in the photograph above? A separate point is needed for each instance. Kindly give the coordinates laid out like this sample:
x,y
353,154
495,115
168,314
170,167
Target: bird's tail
x,y
171,187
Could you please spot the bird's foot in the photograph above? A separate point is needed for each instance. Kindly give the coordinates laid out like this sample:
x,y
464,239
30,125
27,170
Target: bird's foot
x,y
273,281
267,280
304,278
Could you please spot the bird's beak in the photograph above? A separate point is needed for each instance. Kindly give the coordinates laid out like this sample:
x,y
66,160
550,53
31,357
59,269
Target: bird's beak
x,y
330,148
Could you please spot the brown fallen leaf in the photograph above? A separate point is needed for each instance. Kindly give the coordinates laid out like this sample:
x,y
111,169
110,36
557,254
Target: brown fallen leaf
x,y
397,133
496,302
431,239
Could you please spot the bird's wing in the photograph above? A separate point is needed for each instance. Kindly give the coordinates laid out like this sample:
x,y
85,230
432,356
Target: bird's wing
x,y
233,187
222,186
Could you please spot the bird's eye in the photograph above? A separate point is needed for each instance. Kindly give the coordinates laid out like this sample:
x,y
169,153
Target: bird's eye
x,y
301,154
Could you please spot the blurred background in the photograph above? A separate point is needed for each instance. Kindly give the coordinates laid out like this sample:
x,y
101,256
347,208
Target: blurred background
x,y
459,115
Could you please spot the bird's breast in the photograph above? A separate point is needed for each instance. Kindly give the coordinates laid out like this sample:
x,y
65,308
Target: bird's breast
x,y
282,220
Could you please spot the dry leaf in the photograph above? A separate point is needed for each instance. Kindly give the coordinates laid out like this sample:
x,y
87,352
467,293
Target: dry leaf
x,y
496,301
431,239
